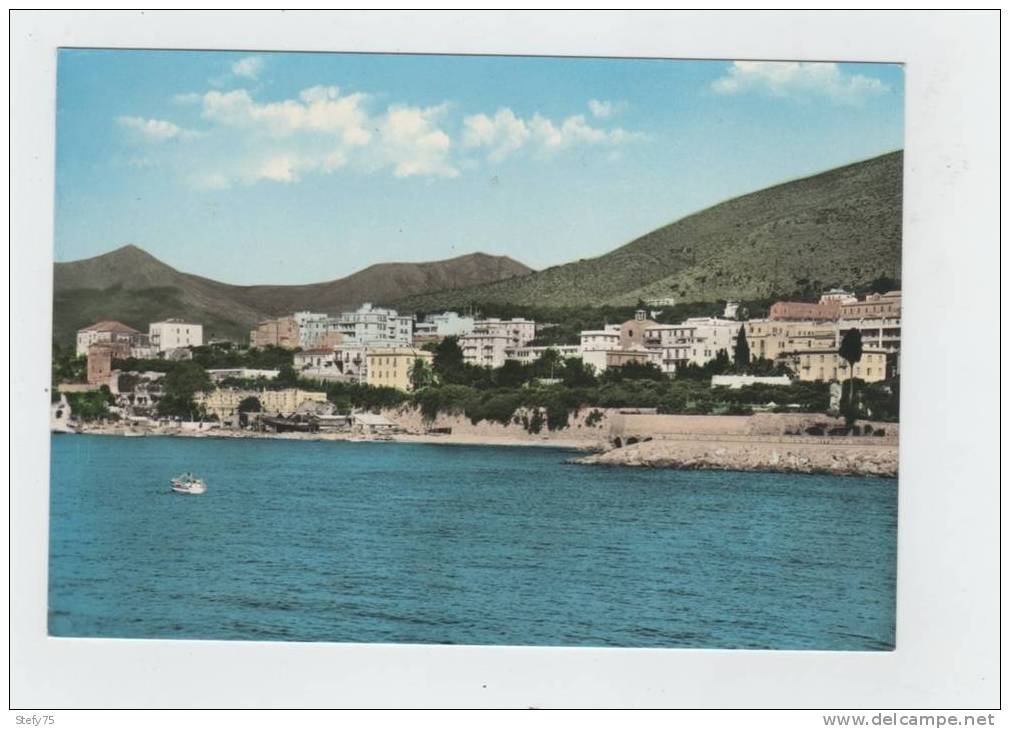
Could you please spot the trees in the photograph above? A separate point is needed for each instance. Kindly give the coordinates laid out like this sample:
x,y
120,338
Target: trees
x,y
741,350
448,361
421,374
286,376
248,405
633,371
511,374
549,363
179,386
851,350
576,373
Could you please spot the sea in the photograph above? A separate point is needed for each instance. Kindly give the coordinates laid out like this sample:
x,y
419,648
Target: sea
x,y
377,542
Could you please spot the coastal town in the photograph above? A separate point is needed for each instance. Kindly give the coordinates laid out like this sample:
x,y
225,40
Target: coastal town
x,y
380,350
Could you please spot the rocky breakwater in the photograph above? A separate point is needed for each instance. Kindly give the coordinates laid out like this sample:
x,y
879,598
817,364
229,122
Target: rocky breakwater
x,y
857,456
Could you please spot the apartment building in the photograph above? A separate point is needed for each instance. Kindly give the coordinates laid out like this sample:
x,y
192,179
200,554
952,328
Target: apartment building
x,y
435,327
174,334
601,360
770,339
529,355
600,339
316,358
486,350
487,344
826,365
391,366
877,333
108,332
824,310
676,345
374,325
312,328
874,306
282,332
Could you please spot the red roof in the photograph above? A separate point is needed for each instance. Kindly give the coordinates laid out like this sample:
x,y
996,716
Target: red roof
x,y
110,326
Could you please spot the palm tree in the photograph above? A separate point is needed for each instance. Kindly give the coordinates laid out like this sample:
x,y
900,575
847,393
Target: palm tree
x,y
420,373
851,350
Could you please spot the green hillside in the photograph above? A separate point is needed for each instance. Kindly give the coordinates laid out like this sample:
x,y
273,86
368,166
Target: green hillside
x,y
841,227
132,286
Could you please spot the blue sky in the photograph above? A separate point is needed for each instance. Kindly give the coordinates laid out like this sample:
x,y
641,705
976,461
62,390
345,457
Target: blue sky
x,y
293,168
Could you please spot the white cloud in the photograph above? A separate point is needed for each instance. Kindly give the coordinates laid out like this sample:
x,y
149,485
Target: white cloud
x,y
606,109
157,130
321,130
319,109
413,143
248,67
504,133
575,130
798,79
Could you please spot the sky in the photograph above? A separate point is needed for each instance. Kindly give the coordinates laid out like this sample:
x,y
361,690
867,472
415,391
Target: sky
x,y
293,168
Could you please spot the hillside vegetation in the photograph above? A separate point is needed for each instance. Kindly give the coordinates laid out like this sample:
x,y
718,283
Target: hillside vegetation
x,y
841,227
134,287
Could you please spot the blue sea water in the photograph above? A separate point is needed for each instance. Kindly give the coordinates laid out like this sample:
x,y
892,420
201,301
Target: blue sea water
x,y
416,543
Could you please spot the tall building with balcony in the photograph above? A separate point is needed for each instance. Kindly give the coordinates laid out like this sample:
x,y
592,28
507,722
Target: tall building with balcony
x,y
174,334
373,325
487,344
312,328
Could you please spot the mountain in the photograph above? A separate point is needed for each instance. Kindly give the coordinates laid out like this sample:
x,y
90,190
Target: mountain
x,y
134,287
840,227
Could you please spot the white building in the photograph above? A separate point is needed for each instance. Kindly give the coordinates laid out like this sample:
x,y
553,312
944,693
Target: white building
x,y
175,333
312,327
446,324
604,359
595,340
316,358
111,332
486,345
351,359
882,333
840,295
485,350
374,326
713,334
529,355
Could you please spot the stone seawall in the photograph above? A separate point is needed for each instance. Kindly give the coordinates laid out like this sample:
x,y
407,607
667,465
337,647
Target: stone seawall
x,y
788,455
610,425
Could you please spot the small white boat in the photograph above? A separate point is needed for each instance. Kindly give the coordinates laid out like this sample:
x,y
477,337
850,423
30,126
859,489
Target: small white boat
x,y
188,484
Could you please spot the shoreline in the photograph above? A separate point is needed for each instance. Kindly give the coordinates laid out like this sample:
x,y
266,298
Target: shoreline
x,y
419,438
846,456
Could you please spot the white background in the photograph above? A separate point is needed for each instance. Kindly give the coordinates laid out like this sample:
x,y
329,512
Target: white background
x,y
949,509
